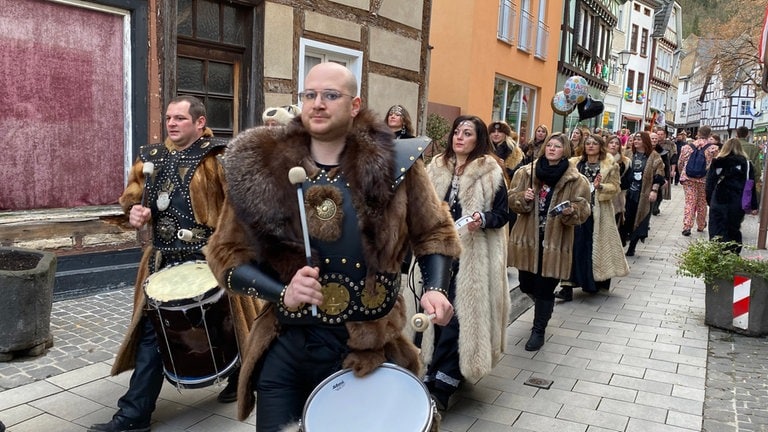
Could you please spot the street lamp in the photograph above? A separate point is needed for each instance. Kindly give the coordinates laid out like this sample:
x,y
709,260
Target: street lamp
x,y
623,61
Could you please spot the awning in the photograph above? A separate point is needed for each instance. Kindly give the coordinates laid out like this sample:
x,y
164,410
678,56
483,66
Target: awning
x,y
760,130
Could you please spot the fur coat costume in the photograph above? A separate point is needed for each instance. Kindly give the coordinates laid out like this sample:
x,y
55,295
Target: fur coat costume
x,y
260,223
207,189
608,258
524,242
654,169
511,155
620,199
482,286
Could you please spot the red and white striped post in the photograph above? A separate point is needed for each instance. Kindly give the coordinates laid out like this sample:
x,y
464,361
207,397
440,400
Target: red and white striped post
x,y
742,286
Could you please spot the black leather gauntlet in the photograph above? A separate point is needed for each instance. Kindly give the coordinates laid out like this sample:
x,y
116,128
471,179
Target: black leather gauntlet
x,y
436,272
253,281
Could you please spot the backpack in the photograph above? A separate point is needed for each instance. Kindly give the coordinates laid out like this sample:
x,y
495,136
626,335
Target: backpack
x,y
697,163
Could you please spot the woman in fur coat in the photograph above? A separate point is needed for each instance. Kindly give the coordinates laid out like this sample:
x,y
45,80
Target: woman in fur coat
x,y
598,254
541,242
729,171
647,171
620,199
470,179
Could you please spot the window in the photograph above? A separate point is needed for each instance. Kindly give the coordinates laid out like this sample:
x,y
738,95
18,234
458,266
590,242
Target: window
x,y
633,38
526,26
313,53
506,21
683,109
637,7
745,108
640,96
513,103
211,50
542,32
644,43
629,90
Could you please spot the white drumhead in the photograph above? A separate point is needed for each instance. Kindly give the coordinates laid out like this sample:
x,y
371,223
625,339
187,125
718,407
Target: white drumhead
x,y
183,281
388,399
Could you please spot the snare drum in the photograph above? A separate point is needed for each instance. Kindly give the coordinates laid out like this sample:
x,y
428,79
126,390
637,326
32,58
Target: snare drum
x,y
388,399
194,325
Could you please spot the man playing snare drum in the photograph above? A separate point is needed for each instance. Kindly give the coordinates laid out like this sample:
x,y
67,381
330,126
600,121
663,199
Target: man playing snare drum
x,y
367,199
182,191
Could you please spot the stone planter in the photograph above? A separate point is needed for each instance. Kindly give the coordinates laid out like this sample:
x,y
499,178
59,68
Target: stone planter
x,y
26,290
746,313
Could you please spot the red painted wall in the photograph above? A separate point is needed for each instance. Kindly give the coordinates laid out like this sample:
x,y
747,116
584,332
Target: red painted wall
x,y
61,106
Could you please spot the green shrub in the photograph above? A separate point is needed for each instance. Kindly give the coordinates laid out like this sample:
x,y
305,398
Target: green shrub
x,y
438,128
711,260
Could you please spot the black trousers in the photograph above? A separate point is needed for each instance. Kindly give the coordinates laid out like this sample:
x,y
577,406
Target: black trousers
x,y
139,401
297,361
443,375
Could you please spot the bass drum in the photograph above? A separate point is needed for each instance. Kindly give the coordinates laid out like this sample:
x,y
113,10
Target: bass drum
x,y
388,399
193,321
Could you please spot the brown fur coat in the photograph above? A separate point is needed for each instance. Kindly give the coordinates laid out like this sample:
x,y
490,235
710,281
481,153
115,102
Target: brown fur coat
x,y
207,195
260,222
524,242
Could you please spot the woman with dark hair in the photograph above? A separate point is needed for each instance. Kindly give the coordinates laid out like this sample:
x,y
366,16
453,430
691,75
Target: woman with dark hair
x,y
505,146
470,179
613,146
534,145
399,121
729,171
550,198
647,176
597,252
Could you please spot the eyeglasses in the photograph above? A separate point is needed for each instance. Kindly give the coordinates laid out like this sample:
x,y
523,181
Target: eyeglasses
x,y
325,95
552,145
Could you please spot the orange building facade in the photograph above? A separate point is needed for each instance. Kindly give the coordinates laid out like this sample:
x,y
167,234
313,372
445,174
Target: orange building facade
x,y
496,59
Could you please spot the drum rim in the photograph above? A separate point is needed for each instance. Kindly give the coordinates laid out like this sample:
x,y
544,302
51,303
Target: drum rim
x,y
388,365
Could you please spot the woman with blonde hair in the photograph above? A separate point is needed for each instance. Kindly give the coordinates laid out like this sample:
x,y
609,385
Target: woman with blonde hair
x,y
550,198
597,252
534,145
726,177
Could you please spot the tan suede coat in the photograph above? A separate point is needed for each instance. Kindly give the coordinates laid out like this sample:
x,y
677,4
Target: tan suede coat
x,y
524,241
207,195
260,223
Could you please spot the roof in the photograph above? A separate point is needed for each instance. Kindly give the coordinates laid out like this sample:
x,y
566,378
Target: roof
x,y
661,17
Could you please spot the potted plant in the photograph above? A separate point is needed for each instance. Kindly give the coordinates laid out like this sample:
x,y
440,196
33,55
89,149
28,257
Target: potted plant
x,y
736,296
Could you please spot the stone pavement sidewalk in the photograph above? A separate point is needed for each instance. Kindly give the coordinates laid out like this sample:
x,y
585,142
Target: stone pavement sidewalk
x,y
636,359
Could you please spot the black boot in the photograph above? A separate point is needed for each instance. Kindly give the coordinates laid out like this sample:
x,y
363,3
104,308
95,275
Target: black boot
x,y
542,312
565,294
631,249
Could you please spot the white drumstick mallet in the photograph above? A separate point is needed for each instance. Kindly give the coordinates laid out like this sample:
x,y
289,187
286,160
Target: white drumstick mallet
x,y
297,175
147,169
420,321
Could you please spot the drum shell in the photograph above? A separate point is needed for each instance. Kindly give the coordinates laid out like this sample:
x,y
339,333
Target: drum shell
x,y
196,338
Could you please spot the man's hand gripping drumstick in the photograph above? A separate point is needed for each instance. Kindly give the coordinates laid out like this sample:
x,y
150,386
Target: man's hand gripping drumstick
x,y
140,213
304,286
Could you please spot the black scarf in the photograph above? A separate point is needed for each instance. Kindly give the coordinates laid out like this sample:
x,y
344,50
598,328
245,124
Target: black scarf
x,y
550,174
